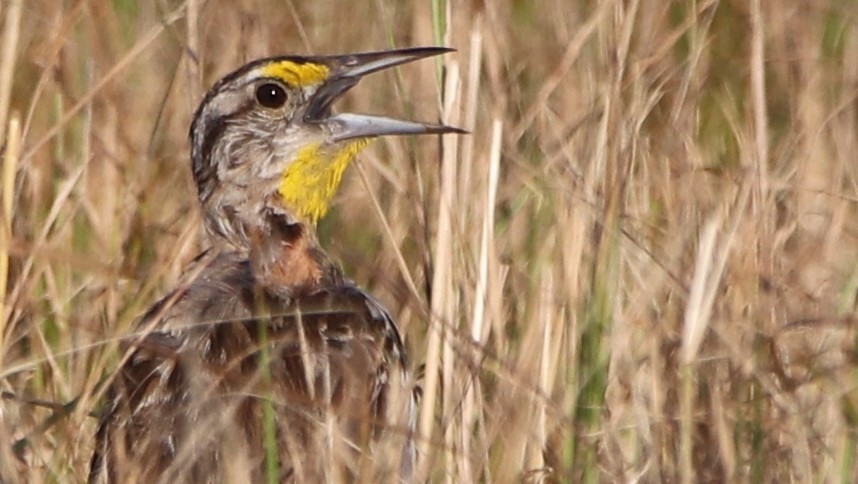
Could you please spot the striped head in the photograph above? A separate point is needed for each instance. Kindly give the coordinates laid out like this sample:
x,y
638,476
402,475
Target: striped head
x,y
265,138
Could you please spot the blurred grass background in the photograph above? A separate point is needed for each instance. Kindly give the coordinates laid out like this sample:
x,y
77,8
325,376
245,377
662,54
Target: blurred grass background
x,y
642,265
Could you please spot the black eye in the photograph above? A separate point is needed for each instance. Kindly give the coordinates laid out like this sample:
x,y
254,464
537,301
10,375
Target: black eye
x,y
271,95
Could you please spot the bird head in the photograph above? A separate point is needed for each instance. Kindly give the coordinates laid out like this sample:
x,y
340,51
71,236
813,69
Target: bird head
x,y
265,136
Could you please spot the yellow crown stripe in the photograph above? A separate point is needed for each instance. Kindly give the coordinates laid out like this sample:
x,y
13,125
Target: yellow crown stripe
x,y
295,74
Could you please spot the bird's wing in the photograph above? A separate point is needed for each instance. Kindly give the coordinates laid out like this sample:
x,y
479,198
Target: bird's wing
x,y
221,373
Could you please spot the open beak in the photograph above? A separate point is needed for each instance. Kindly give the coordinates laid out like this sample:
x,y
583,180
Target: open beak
x,y
347,70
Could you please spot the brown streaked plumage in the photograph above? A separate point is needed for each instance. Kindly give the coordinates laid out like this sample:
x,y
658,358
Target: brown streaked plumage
x,y
265,362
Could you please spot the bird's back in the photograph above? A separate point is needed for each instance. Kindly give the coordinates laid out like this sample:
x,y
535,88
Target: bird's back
x,y
227,380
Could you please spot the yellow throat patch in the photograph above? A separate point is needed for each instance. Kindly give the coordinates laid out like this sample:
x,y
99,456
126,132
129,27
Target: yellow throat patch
x,y
313,177
296,75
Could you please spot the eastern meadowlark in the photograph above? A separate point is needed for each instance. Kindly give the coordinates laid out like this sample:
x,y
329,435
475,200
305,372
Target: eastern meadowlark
x,y
266,363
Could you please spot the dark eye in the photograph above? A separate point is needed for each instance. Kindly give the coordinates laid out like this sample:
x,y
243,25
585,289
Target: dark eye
x,y
271,95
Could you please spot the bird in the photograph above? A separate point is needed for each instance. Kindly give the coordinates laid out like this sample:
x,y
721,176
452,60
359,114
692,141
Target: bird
x,y
265,362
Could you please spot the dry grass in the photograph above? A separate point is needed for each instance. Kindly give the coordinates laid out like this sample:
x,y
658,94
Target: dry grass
x,y
657,283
